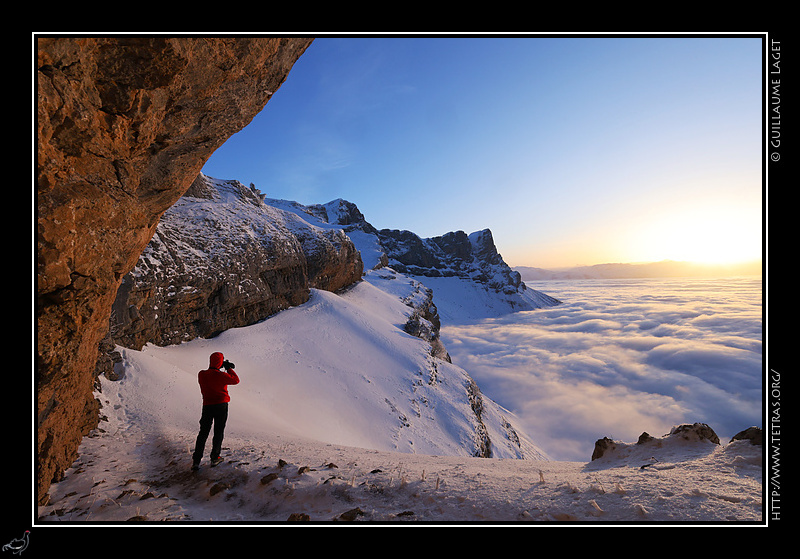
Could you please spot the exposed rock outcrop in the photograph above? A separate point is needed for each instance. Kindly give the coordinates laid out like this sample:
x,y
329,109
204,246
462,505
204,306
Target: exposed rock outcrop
x,y
753,434
453,254
687,433
695,432
424,321
478,273
603,446
220,259
124,126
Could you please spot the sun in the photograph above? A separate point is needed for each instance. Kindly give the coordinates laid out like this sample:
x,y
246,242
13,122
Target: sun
x,y
708,235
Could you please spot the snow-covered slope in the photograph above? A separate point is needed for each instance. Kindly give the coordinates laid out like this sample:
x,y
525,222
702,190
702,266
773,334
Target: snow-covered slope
x,y
333,420
338,369
371,351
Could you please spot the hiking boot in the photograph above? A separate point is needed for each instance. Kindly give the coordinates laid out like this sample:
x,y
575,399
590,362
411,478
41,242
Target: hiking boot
x,y
195,466
215,461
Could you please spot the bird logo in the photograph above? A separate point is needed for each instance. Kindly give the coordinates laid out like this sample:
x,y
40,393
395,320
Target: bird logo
x,y
18,545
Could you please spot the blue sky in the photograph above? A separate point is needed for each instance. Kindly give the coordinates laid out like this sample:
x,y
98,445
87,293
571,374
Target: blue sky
x,y
571,150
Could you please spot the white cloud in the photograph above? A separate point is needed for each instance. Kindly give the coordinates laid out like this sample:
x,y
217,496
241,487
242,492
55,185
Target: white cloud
x,y
621,357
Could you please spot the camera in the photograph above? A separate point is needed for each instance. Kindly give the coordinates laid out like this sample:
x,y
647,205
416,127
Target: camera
x,y
228,365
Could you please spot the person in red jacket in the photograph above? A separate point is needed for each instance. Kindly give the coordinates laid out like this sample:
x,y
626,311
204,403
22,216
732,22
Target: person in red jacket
x,y
214,388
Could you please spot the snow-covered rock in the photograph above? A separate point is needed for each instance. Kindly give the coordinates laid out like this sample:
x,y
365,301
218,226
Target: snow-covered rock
x,y
222,258
698,436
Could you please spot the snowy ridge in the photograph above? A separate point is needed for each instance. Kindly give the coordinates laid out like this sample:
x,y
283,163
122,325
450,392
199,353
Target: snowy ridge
x,y
226,214
338,215
338,369
234,214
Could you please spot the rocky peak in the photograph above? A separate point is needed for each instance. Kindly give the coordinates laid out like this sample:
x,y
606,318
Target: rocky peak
x,y
473,258
453,254
347,214
483,247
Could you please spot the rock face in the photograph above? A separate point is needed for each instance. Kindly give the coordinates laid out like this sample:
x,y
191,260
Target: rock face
x,y
124,126
221,258
695,432
473,258
453,254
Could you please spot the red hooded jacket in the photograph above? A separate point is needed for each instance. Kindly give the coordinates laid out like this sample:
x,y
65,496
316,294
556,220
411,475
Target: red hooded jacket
x,y
214,383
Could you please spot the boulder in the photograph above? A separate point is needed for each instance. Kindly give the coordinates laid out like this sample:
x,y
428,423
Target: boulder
x,y
754,434
602,446
695,432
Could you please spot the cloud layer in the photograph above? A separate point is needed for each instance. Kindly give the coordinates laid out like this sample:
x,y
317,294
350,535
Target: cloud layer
x,y
620,357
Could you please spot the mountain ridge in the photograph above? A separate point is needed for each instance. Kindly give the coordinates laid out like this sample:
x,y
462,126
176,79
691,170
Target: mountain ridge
x,y
622,270
472,261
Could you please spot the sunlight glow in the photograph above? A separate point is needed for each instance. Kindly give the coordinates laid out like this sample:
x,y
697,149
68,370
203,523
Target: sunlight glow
x,y
708,235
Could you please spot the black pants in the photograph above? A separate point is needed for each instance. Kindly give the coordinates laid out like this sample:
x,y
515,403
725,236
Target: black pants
x,y
218,415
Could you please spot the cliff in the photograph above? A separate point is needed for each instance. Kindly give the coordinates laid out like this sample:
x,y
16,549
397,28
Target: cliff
x,y
124,125
469,277
221,258
471,257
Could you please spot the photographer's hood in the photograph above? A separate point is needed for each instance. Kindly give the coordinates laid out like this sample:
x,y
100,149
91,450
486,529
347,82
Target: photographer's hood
x,y
216,360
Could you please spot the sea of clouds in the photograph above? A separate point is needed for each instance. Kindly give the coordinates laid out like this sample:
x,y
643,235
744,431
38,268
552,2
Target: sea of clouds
x,y
620,357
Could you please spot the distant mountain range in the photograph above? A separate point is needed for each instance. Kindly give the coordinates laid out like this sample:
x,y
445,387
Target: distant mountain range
x,y
663,269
